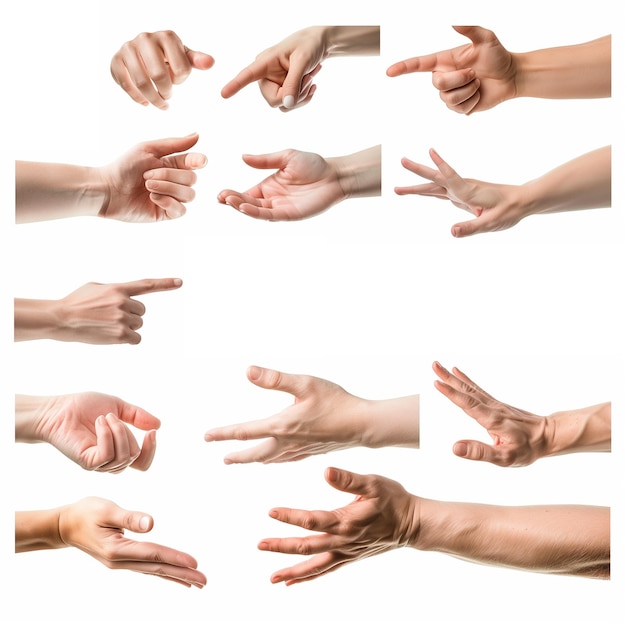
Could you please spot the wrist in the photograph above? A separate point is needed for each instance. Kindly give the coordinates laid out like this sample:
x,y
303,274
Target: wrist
x,y
351,40
393,422
582,430
359,174
34,416
37,530
34,319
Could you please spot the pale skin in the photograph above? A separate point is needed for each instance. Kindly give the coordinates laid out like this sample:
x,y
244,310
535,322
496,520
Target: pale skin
x,y
306,184
520,437
582,183
554,539
482,74
91,429
97,526
285,72
324,417
151,182
148,66
94,313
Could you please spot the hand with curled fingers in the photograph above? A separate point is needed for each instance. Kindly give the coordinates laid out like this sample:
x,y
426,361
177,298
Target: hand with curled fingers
x,y
383,516
495,207
151,182
94,313
520,437
148,66
323,418
470,78
97,527
91,429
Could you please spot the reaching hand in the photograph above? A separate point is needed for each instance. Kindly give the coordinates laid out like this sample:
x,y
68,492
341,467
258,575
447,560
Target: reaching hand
x,y
304,185
496,207
108,314
148,66
91,429
151,183
97,526
285,71
383,516
519,437
470,78
324,417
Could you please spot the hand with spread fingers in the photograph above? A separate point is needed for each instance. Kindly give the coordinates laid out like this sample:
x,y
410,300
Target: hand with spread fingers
x,y
306,184
520,437
582,183
94,313
479,75
91,429
148,66
97,526
383,516
553,539
323,418
151,182
286,71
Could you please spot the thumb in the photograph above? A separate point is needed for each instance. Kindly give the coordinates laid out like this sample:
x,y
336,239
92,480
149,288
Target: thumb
x,y
134,521
293,81
170,145
475,33
199,60
349,482
474,451
273,379
471,227
274,160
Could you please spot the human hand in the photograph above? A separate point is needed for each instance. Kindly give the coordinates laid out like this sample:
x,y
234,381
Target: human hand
x,y
107,314
96,526
147,66
90,429
305,185
285,71
495,207
150,183
470,78
383,516
323,418
519,437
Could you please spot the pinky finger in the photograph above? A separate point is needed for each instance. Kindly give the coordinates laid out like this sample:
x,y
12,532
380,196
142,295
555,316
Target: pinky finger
x,y
311,568
171,208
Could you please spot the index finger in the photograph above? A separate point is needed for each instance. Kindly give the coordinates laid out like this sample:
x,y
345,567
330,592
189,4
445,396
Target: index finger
x,y
257,429
255,71
150,285
426,63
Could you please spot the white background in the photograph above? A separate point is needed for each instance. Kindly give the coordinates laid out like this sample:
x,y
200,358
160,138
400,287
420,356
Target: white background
x,y
367,295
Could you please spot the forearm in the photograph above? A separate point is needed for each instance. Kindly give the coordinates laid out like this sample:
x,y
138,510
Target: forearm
x,y
394,422
47,191
567,539
359,174
583,183
579,71
35,319
581,430
37,530
351,40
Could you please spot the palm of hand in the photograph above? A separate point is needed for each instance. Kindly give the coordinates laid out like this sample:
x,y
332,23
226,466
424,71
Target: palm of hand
x,y
72,429
306,187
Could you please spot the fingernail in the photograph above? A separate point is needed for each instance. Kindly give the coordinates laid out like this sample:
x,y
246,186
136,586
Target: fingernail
x,y
178,282
288,102
460,449
456,231
227,461
254,372
332,474
273,514
263,545
144,523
